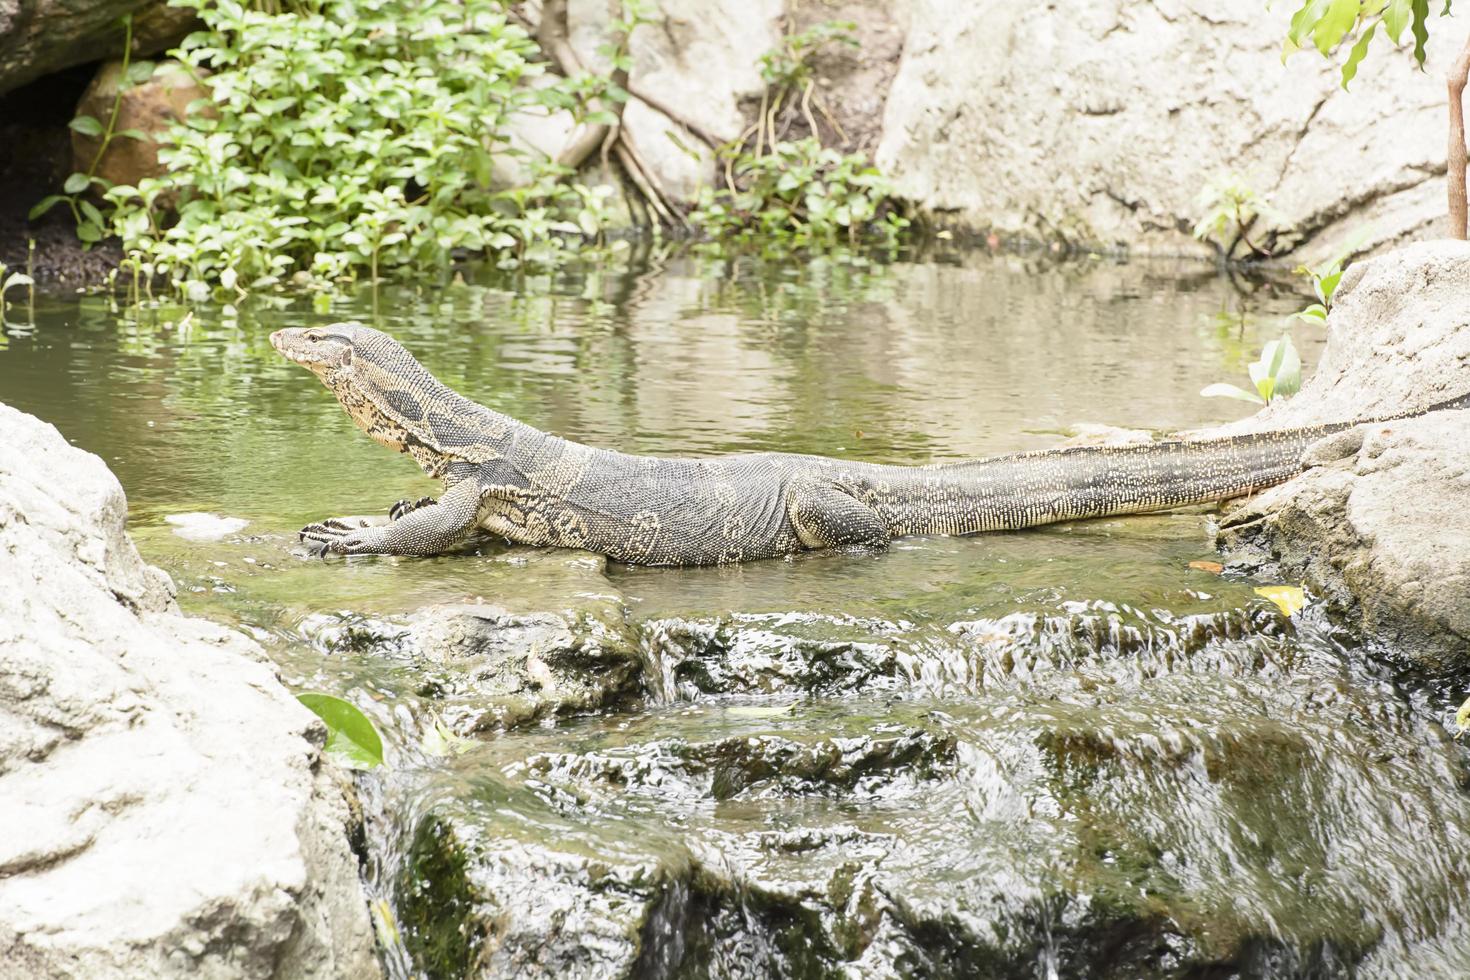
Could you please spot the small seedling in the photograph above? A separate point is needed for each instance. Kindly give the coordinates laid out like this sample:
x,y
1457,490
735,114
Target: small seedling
x,y
1276,374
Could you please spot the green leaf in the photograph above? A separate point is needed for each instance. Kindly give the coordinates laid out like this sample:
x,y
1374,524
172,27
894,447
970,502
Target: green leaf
x,y
1290,599
46,204
89,233
1396,18
1288,372
140,71
1350,69
352,740
15,279
1316,313
1222,390
1420,10
90,212
76,183
1340,17
133,134
86,125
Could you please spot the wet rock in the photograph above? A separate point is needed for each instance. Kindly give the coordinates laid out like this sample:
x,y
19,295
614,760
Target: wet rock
x,y
1381,534
38,37
1164,825
1057,122
166,809
1376,524
480,667
510,669
150,107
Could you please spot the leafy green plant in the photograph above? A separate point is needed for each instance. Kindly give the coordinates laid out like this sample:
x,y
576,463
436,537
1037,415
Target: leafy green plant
x,y
1329,24
349,138
1325,276
1325,24
787,70
801,193
1276,374
788,65
351,738
1231,208
92,224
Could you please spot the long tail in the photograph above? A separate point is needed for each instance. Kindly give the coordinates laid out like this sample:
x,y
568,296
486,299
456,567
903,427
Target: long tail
x,y
1027,489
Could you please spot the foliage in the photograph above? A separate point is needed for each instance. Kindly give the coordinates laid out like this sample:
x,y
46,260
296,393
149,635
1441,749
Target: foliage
x,y
352,741
1231,207
1276,374
1325,276
358,135
13,281
787,66
797,192
802,194
1327,23
92,223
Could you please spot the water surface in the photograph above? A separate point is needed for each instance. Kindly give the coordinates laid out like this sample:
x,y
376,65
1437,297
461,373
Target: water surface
x,y
1041,751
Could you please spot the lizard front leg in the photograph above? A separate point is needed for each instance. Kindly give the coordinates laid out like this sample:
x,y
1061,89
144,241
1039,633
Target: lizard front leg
x,y
356,522
427,530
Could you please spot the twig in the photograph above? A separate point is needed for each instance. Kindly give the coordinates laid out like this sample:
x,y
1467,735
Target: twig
x,y
1455,171
806,109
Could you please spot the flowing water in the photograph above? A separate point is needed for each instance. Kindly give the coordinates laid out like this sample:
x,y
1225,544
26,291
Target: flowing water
x,y
1063,752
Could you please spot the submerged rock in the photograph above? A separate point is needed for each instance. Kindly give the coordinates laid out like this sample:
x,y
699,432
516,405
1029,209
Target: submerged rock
x,y
480,667
1160,824
1377,524
166,810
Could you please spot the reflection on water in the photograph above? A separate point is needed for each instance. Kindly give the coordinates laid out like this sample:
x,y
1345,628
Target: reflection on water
x,y
1021,752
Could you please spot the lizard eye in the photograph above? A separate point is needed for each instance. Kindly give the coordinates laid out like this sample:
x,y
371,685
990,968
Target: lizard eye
x,y
315,335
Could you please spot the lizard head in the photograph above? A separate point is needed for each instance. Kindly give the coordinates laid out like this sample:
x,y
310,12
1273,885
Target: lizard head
x,y
349,359
389,394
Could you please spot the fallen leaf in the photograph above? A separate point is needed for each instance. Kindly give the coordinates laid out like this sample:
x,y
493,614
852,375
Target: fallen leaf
x,y
1213,567
1290,599
1462,718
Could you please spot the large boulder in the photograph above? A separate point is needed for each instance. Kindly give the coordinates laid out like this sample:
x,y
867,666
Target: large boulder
x,y
38,37
150,107
166,808
1101,123
1377,524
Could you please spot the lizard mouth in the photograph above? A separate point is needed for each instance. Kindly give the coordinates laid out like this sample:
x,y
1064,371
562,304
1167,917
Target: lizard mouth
x,y
296,344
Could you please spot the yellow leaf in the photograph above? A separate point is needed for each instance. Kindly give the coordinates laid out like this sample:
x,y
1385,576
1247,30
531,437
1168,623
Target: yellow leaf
x,y
1290,599
1462,718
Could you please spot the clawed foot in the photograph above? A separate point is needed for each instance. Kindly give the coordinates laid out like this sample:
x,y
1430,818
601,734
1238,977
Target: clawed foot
x,y
336,534
408,507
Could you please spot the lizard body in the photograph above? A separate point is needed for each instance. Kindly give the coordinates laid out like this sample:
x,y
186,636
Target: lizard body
x,y
531,487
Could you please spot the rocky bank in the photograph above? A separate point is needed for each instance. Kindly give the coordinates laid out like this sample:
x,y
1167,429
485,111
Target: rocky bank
x,y
166,808
1378,524
1096,126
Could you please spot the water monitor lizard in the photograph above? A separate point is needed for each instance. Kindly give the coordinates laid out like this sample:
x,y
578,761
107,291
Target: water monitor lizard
x,y
509,479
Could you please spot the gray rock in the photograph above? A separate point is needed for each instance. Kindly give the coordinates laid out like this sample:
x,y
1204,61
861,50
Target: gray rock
x,y
1381,534
38,37
1377,524
165,806
1101,123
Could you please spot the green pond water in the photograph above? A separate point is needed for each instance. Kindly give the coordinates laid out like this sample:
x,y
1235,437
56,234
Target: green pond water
x,y
1055,753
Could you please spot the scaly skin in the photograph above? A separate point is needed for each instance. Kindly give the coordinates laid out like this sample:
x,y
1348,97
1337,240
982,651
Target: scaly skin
x,y
509,479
